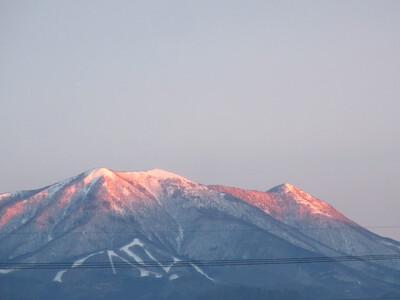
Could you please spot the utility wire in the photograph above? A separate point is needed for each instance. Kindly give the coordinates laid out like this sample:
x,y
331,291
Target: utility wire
x,y
203,263
374,298
210,230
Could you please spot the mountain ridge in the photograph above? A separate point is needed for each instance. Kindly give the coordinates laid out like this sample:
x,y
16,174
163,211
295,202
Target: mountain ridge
x,y
156,216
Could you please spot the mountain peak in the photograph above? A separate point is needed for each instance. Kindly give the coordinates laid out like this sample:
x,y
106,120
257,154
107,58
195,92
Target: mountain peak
x,y
101,171
161,173
153,174
286,203
284,187
94,174
302,202
151,179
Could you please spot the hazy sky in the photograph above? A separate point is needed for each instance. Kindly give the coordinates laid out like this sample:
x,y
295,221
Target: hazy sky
x,y
243,93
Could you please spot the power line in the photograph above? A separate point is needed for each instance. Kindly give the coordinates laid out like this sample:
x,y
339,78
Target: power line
x,y
373,298
210,230
202,263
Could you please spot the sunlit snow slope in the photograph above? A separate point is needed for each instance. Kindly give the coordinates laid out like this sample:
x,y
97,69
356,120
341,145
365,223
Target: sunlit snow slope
x,y
148,222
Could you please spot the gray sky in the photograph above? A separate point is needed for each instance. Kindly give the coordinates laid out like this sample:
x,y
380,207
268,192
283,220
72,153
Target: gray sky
x,y
243,93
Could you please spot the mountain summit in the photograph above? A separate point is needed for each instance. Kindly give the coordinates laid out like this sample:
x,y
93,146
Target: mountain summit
x,y
158,235
285,202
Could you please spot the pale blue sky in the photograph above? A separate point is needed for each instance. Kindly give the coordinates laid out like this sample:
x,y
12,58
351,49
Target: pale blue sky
x,y
242,93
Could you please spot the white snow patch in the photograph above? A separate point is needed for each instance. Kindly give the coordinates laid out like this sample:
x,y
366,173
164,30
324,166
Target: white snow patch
x,y
110,254
130,253
82,260
173,277
6,271
161,174
143,272
166,269
150,255
201,272
99,172
58,277
137,242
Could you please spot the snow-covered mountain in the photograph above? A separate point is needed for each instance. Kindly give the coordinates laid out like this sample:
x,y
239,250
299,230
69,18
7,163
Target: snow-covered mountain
x,y
163,230
315,219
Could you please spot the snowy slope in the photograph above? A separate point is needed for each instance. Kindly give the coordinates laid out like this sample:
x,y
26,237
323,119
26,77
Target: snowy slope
x,y
157,217
317,220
